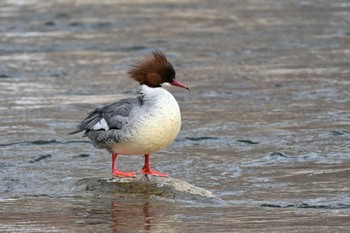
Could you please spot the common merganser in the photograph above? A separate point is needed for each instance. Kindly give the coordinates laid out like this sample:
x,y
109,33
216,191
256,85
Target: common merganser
x,y
141,125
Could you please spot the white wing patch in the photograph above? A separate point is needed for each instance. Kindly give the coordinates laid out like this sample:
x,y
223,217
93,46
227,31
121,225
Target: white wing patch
x,y
102,124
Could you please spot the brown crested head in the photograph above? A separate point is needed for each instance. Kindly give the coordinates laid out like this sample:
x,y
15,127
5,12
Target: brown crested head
x,y
153,70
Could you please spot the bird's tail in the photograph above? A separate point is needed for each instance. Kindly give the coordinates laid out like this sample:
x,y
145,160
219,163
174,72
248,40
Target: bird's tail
x,y
75,131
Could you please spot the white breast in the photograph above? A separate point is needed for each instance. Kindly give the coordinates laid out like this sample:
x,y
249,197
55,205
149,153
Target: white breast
x,y
154,125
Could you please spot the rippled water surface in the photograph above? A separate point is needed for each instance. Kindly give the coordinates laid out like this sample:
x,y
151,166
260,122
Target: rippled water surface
x,y
265,126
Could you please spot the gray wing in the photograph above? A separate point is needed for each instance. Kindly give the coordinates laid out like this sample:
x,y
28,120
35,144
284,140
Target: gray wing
x,y
103,124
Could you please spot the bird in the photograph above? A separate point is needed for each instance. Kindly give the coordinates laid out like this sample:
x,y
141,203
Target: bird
x,y
141,125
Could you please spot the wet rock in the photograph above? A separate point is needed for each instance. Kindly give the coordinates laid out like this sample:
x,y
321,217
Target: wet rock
x,y
165,187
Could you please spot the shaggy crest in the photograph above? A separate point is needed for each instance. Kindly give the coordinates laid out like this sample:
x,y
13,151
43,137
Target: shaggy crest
x,y
153,70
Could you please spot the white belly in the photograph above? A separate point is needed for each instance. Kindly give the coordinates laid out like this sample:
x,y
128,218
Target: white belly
x,y
153,127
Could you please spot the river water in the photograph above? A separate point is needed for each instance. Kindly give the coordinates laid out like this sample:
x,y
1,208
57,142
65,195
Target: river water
x,y
265,126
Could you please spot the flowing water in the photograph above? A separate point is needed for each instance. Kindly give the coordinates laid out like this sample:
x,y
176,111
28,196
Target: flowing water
x,y
265,126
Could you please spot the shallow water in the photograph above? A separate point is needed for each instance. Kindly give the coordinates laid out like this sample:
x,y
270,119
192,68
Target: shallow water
x,y
265,126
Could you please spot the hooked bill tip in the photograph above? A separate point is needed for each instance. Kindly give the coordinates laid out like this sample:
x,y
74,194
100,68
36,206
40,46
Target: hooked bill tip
x,y
178,84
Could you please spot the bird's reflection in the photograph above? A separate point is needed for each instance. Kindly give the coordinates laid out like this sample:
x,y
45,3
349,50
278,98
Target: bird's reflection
x,y
131,217
147,216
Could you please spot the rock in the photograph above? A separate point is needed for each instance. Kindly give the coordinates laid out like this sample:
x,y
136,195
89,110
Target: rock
x,y
165,187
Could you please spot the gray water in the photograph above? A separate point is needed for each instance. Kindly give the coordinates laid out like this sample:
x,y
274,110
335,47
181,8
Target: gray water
x,y
265,126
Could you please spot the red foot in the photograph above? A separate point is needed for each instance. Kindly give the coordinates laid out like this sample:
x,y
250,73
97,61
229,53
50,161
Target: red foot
x,y
123,174
147,170
115,170
152,173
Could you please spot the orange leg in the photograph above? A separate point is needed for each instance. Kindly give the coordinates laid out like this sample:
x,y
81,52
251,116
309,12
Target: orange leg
x,y
115,170
147,170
